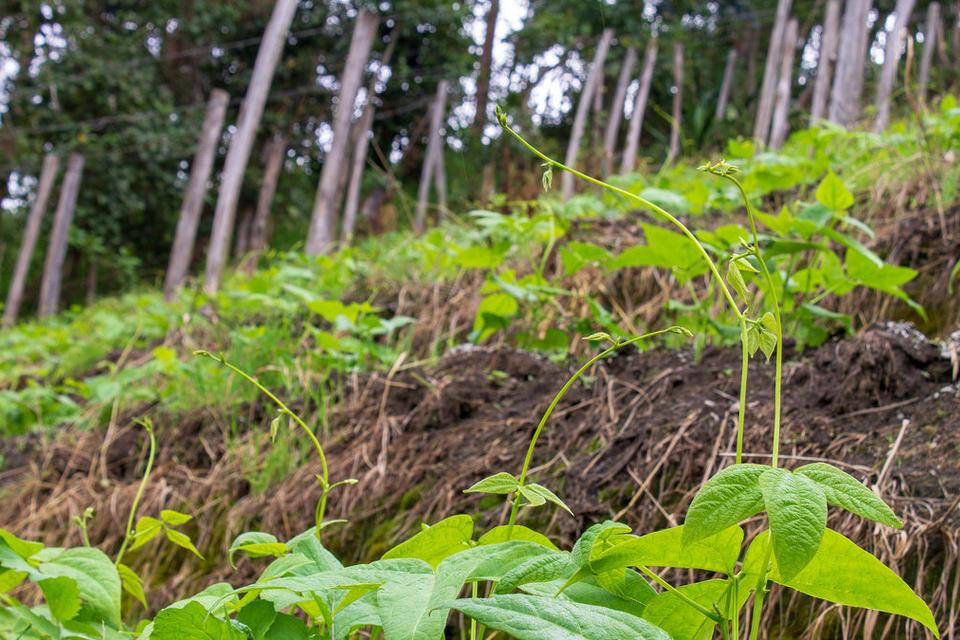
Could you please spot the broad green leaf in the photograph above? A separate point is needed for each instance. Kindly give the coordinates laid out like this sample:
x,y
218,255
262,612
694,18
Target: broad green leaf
x,y
132,583
669,200
629,596
500,483
540,569
62,597
97,580
436,542
23,548
493,562
678,618
504,532
192,622
729,497
548,495
528,617
306,543
10,579
843,573
182,540
665,548
257,617
767,342
797,510
844,491
533,498
174,518
146,530
597,539
833,194
257,545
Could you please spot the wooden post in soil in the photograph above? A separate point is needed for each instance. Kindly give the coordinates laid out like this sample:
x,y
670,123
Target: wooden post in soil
x,y
929,43
891,63
674,151
639,107
615,117
181,254
781,108
486,64
359,154
590,86
761,126
271,47
59,236
323,222
259,233
430,160
48,175
724,97
829,42
848,76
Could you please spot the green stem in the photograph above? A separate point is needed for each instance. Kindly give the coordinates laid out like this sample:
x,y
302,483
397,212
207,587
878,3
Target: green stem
x,y
641,201
151,456
681,595
473,622
556,400
778,379
284,409
742,405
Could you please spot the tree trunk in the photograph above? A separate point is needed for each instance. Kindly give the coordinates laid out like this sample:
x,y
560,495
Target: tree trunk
x,y
48,175
848,77
616,110
359,154
271,47
242,243
639,107
440,174
725,85
181,254
590,87
323,222
59,237
259,233
891,63
929,43
829,41
761,127
359,159
430,160
486,62
674,151
781,109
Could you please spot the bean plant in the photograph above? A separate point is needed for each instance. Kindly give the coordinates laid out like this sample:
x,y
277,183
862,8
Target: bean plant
x,y
512,580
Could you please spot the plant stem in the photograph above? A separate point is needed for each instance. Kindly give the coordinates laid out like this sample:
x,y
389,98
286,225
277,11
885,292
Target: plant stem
x,y
641,201
778,379
556,400
284,409
742,404
681,595
151,456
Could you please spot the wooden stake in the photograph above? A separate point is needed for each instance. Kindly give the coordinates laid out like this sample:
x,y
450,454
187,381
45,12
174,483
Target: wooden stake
x,y
848,77
273,154
639,107
761,127
781,109
430,161
590,87
48,175
59,237
891,62
271,47
486,63
181,254
616,109
674,151
725,85
323,222
929,44
829,42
